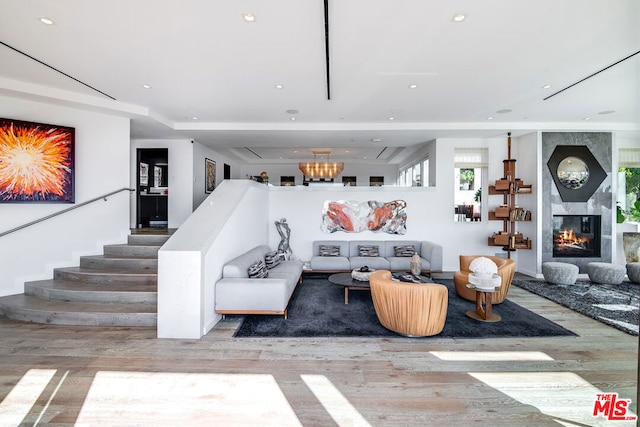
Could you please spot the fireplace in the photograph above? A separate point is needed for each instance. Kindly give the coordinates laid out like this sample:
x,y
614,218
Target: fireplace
x,y
576,236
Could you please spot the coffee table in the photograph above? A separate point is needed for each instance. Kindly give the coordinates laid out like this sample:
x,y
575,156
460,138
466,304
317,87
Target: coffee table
x,y
349,283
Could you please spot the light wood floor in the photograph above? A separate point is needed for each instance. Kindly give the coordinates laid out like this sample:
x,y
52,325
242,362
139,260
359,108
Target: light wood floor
x,y
59,376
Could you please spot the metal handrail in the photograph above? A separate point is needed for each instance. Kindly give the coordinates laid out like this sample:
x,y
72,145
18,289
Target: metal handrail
x,y
20,227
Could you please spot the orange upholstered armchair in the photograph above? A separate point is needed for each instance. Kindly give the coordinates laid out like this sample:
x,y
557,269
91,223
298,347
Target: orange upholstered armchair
x,y
506,270
412,309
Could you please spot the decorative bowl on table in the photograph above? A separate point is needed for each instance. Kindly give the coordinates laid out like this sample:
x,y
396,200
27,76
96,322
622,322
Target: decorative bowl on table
x,y
362,274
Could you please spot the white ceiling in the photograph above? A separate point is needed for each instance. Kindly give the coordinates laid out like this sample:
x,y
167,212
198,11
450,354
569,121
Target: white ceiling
x,y
203,60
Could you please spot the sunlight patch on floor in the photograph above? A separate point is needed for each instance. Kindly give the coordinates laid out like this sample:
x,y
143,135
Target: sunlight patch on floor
x,y
563,396
490,355
160,398
15,407
342,412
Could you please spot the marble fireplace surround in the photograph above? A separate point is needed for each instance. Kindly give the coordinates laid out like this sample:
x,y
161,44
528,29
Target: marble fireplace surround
x,y
600,203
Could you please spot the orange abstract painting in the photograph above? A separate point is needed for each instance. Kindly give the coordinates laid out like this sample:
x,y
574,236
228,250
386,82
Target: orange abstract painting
x,y
36,162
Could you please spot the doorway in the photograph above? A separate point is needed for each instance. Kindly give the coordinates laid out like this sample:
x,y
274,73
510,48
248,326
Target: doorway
x,y
152,188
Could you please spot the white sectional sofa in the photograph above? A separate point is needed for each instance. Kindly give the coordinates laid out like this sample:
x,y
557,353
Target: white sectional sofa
x,y
350,256
236,293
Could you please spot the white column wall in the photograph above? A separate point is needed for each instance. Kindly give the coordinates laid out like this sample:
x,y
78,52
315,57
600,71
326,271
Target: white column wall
x,y
229,222
101,166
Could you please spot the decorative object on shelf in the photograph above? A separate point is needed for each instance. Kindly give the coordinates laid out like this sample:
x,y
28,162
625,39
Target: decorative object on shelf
x,y
576,172
209,175
354,217
285,233
326,169
416,264
36,162
264,176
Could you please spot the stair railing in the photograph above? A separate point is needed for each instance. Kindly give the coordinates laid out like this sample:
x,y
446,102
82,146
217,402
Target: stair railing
x,y
103,197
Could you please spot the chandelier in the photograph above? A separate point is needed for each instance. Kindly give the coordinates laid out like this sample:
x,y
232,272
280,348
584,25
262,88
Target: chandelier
x,y
324,169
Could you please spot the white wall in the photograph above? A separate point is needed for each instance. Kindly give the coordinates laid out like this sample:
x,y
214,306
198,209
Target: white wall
x,y
200,153
180,199
101,166
429,209
527,152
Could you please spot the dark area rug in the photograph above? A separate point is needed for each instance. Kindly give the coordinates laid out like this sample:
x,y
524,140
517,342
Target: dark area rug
x,y
317,309
613,305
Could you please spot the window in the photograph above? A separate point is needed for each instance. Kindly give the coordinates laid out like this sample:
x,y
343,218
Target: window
x,y
470,164
415,175
628,181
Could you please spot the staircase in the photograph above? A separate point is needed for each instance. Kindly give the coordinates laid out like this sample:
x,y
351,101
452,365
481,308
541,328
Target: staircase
x,y
118,288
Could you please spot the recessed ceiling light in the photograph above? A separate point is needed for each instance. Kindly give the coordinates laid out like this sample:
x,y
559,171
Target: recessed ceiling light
x,y
376,140
46,21
546,87
459,17
279,86
586,119
413,86
489,118
194,118
249,17
607,112
293,118
392,118
146,86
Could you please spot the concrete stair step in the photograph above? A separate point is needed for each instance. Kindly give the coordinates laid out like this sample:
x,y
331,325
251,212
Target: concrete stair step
x,y
119,262
32,309
61,290
147,239
125,250
106,276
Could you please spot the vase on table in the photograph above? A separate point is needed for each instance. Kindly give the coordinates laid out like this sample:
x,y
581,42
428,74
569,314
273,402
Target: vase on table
x,y
416,265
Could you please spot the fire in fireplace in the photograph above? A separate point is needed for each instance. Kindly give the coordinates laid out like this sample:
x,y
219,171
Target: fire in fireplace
x,y
576,236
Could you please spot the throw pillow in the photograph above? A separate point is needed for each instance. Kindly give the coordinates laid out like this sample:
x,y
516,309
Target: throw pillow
x,y
272,259
258,270
368,250
404,250
329,250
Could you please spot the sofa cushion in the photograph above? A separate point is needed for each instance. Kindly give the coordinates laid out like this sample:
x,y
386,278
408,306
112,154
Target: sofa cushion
x,y
376,263
403,263
369,250
258,270
237,267
272,259
404,250
329,250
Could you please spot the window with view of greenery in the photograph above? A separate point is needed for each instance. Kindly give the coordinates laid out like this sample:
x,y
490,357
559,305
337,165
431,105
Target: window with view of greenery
x,y
629,188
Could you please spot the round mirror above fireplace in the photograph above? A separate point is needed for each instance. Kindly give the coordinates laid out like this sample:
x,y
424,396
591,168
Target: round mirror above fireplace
x,y
573,173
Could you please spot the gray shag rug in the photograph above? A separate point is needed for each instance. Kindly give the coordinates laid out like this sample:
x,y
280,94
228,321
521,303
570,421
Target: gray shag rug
x,y
613,305
317,309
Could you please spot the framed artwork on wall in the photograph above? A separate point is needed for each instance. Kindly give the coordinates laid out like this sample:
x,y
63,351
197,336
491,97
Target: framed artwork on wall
x,y
209,175
36,162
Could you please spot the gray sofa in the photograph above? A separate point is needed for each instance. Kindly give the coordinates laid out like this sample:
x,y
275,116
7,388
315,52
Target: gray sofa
x,y
349,257
236,293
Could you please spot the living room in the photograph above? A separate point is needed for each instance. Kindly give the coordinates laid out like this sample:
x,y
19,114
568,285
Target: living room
x,y
215,85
